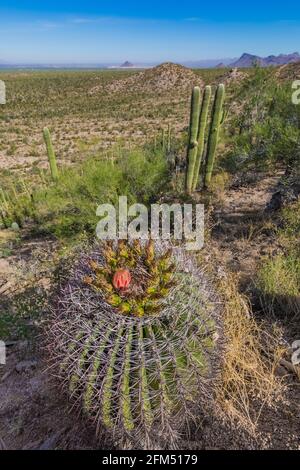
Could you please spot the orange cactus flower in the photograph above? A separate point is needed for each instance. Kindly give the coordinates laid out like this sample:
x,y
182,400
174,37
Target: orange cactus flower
x,y
122,279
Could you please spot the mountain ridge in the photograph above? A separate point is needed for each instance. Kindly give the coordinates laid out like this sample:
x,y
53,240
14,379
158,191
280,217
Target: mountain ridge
x,y
249,60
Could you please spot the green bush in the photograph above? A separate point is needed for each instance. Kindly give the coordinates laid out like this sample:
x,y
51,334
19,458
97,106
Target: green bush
x,y
279,277
68,207
267,130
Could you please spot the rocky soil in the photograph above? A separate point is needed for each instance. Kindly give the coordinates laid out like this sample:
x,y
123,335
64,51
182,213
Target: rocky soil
x,y
164,77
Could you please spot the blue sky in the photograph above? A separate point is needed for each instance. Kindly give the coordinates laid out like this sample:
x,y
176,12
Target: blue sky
x,y
113,31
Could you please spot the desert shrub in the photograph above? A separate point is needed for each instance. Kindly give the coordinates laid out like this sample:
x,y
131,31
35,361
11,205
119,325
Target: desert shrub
x,y
138,359
19,313
278,279
68,207
279,282
266,130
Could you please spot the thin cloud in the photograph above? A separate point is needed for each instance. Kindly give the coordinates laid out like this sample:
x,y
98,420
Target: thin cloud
x,y
49,25
82,20
193,18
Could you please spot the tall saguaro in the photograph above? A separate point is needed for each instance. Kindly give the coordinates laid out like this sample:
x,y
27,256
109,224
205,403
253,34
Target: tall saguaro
x,y
213,139
201,134
193,134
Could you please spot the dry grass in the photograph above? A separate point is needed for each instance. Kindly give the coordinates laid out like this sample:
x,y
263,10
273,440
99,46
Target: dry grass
x,y
248,381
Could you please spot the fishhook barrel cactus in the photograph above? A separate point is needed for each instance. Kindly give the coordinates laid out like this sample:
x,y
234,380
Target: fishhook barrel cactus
x,y
137,357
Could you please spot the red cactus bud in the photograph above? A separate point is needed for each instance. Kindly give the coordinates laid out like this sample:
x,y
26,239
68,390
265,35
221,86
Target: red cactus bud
x,y
121,279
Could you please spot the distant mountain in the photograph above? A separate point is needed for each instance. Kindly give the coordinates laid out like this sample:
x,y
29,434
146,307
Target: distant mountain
x,y
127,65
248,60
208,63
221,66
283,59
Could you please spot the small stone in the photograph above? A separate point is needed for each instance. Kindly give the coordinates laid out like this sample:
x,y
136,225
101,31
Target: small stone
x,y
51,442
24,366
15,227
280,371
32,445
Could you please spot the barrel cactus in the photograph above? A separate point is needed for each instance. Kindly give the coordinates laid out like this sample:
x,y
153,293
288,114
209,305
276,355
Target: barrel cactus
x,y
134,337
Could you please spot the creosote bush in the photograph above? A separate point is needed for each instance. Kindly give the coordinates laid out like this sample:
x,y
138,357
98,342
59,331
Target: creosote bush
x,y
68,207
135,338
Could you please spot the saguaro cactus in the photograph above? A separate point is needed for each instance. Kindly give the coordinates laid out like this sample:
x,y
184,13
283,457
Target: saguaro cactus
x,y
169,138
193,134
201,134
217,115
51,154
138,360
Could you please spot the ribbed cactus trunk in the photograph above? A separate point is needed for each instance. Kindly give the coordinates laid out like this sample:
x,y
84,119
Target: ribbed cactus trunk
x,y
51,154
193,134
163,140
201,134
217,114
169,138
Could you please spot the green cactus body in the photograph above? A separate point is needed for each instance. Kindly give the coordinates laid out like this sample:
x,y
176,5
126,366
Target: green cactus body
x,y
4,199
169,138
201,134
161,379
217,114
108,383
51,154
193,134
144,385
125,387
71,349
90,389
86,349
4,209
129,370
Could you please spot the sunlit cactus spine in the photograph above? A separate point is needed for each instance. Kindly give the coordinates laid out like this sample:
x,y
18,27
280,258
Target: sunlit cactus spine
x,y
192,139
138,361
51,154
217,115
201,134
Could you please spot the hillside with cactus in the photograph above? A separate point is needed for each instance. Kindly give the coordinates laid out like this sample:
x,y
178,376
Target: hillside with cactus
x,y
164,77
143,344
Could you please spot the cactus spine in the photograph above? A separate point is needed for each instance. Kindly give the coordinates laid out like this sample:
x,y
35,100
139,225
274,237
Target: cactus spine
x,y
201,133
217,114
51,154
193,133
